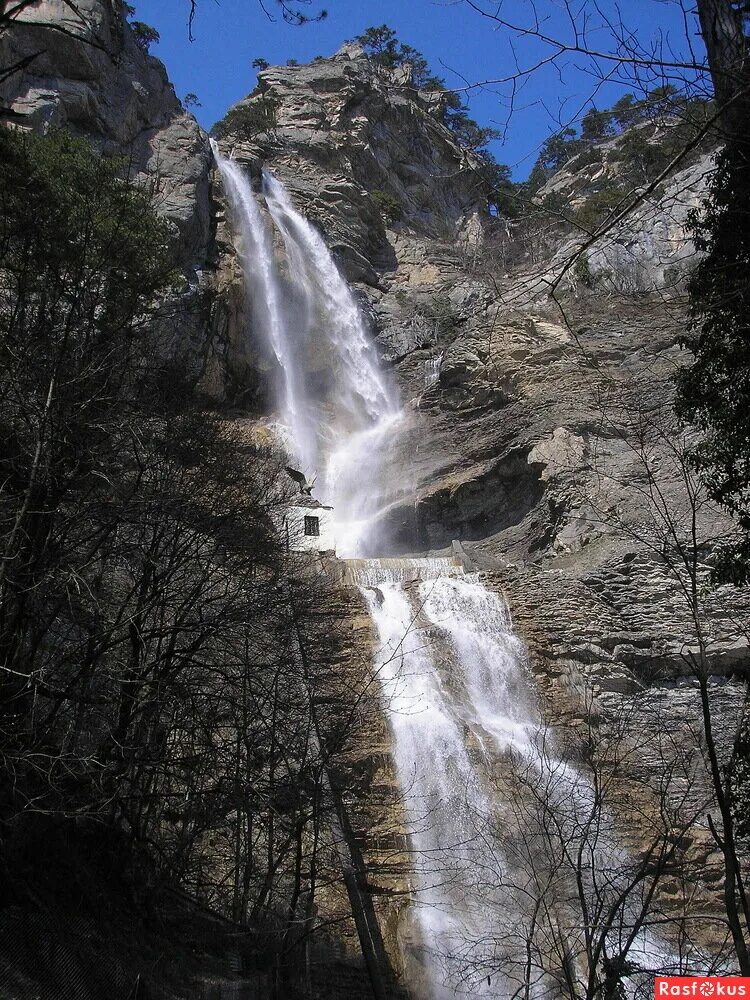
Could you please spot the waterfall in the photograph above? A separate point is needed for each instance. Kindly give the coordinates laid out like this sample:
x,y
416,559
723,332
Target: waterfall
x,y
340,434
363,417
461,703
464,715
444,799
265,294
432,370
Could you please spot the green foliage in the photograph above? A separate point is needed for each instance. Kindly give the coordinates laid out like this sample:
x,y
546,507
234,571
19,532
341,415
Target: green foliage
x,y
144,34
504,195
596,126
600,205
714,390
466,131
556,203
420,70
382,46
582,272
642,158
432,82
626,111
67,214
82,256
439,311
558,149
191,100
384,49
662,100
388,206
577,150
260,64
249,120
592,154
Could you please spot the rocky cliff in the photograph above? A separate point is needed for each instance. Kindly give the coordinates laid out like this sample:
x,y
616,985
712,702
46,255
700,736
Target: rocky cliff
x,y
539,431
519,403
524,439
83,70
369,161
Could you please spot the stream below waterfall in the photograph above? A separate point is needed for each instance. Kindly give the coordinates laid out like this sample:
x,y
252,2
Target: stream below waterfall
x,y
468,742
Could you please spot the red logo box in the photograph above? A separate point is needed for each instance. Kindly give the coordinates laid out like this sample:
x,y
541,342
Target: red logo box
x,y
676,987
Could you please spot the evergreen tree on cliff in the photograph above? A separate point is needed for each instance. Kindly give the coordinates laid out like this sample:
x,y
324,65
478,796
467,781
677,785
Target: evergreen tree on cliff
x,y
714,391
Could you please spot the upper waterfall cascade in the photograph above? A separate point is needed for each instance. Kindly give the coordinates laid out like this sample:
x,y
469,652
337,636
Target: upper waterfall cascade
x,y
461,702
265,293
342,438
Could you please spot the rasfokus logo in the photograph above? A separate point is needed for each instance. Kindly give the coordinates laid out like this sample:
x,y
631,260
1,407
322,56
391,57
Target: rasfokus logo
x,y
701,986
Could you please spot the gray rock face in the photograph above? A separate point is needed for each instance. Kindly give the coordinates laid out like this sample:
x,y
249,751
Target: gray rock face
x,y
523,431
347,133
90,76
520,441
538,430
651,249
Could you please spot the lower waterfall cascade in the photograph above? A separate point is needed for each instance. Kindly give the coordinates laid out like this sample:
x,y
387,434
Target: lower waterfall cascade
x,y
462,707
460,699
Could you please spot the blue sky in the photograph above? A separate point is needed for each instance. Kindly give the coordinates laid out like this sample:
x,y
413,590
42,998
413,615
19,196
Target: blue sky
x,y
460,45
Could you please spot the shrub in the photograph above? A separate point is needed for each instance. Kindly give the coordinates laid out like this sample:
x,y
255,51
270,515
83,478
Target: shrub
x,y
389,207
440,312
599,205
247,121
145,35
591,155
556,203
582,272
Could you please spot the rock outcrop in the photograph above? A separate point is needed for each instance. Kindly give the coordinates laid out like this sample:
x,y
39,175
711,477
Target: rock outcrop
x,y
363,153
525,411
520,407
539,430
651,249
83,70
88,74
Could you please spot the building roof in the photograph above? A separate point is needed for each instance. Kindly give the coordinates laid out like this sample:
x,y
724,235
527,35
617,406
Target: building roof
x,y
308,502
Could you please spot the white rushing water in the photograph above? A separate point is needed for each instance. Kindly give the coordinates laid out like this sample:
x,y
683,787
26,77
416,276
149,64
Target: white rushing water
x,y
341,438
444,800
454,694
357,429
265,294
465,718
432,370
461,703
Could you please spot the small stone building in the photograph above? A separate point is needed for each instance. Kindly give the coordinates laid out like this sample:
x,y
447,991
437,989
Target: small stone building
x,y
307,526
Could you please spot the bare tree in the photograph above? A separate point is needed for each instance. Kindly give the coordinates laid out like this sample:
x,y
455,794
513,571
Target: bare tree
x,y
682,530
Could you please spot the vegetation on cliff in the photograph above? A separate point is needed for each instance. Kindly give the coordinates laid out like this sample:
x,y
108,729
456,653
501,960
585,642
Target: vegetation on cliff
x,y
168,683
160,664
383,48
